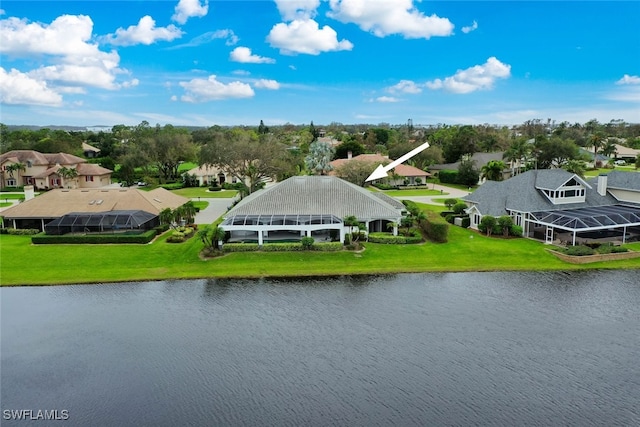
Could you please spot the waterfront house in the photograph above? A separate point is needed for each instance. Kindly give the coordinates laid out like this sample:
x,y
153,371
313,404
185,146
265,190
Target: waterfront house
x,y
557,206
313,206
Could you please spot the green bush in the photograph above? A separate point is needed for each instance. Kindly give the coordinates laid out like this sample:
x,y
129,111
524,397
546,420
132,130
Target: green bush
x,y
140,238
459,208
22,231
448,176
215,188
328,247
389,239
307,243
173,186
579,250
435,228
466,222
610,249
516,230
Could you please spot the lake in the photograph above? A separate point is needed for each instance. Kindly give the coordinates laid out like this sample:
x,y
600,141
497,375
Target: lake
x,y
500,349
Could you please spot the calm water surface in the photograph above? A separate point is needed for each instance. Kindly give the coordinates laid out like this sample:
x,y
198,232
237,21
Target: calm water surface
x,y
505,349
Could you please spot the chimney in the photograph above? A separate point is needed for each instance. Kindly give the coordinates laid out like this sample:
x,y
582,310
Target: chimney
x,y
602,185
349,155
28,192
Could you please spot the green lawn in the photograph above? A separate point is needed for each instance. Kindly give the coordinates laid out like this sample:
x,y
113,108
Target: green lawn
x,y
201,205
466,251
5,196
413,192
195,192
5,204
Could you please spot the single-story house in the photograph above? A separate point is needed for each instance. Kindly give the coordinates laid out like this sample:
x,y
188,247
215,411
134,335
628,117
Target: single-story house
x,y
402,171
555,205
42,170
313,206
208,174
37,212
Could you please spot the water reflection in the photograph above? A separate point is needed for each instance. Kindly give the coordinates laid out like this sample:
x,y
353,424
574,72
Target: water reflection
x,y
407,349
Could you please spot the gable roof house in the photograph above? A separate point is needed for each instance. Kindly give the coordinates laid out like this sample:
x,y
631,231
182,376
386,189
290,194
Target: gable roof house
x,y
313,206
39,211
402,171
556,205
42,170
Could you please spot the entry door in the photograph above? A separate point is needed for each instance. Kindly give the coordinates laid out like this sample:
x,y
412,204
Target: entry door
x,y
549,235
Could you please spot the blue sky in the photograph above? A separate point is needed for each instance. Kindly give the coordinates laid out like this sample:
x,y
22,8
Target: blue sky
x,y
192,62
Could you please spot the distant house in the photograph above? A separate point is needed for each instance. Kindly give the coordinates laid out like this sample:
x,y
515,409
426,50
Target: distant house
x,y
555,205
89,151
397,176
480,160
42,170
209,174
39,211
313,206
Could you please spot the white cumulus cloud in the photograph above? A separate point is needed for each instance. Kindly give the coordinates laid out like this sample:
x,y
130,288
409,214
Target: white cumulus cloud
x,y
19,88
405,86
305,36
67,55
186,9
243,54
210,89
479,77
383,18
267,84
470,28
387,99
629,80
297,9
145,32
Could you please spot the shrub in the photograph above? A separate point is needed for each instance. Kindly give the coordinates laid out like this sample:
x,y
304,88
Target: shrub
x,y
610,249
328,247
466,222
307,243
140,238
173,186
22,231
436,229
459,208
516,230
449,218
449,203
448,176
389,239
579,250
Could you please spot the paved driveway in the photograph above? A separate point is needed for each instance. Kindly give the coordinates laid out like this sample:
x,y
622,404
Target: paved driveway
x,y
216,208
454,193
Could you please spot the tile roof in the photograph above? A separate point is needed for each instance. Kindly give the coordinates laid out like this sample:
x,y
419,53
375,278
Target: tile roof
x,y
304,195
401,169
56,203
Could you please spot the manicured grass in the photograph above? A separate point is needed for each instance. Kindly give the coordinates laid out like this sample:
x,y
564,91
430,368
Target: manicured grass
x,y
5,204
201,205
413,192
442,199
465,251
195,192
5,196
186,166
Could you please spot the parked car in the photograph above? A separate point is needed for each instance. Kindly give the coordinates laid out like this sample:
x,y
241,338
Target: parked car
x,y
141,184
620,162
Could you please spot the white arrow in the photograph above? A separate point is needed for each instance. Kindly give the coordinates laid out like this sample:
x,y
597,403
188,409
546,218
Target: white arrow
x,y
381,171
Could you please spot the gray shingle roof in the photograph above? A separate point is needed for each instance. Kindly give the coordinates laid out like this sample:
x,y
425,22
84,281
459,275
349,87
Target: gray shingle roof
x,y
621,180
520,193
303,195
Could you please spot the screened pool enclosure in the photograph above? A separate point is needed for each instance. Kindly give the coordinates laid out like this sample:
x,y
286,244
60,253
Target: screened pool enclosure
x,y
102,222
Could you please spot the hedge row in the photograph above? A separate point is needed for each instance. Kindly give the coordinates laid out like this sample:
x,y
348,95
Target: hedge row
x,y
436,228
45,239
281,247
390,239
21,231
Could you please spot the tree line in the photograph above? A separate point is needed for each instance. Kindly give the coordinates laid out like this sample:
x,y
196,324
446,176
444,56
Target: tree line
x,y
255,153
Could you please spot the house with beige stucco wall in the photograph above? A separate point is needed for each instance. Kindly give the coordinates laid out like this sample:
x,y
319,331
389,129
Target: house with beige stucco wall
x,y
43,171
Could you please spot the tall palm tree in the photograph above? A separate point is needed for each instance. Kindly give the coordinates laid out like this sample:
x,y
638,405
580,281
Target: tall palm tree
x,y
597,139
517,153
493,170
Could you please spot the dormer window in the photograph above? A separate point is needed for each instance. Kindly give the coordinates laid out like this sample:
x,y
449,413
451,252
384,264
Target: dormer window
x,y
570,192
29,163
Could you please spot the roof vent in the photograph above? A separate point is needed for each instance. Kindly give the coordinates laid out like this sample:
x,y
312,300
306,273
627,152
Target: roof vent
x,y
99,202
157,200
92,202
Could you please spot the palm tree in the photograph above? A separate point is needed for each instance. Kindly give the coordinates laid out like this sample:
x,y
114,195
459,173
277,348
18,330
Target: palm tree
x,y
67,173
597,140
493,170
517,153
352,222
15,167
166,216
575,166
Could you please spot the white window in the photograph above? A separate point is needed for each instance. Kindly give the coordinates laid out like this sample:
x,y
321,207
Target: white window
x,y
11,182
88,178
